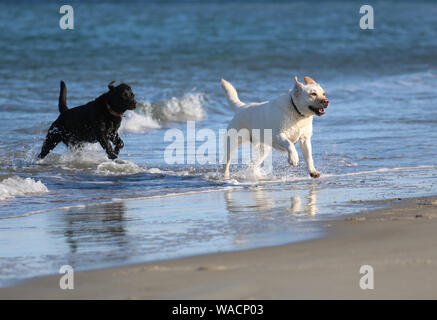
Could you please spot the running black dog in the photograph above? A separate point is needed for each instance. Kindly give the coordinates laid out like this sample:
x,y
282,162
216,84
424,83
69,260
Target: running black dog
x,y
96,121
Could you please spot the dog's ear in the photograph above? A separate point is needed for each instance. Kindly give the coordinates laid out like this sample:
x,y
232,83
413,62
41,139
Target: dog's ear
x,y
298,86
308,80
111,85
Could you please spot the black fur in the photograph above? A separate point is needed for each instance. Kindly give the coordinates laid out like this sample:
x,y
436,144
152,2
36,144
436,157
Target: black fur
x,y
96,121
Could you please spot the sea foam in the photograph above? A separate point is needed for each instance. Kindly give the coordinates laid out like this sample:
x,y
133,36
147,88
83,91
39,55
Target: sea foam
x,y
138,123
15,187
119,167
149,115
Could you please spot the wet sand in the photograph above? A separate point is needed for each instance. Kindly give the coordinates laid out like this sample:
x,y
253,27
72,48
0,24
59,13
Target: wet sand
x,y
398,242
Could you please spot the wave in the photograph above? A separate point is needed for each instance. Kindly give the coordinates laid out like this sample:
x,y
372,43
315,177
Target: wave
x,y
188,107
138,123
119,167
150,115
284,178
15,187
252,175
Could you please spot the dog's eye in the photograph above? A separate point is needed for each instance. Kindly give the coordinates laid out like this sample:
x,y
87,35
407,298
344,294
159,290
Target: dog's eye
x,y
314,94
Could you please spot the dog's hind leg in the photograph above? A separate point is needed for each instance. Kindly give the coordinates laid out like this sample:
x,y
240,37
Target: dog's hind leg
x,y
52,140
230,148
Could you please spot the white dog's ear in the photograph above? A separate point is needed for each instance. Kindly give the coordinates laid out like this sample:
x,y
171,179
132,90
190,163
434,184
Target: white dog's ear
x,y
308,80
298,86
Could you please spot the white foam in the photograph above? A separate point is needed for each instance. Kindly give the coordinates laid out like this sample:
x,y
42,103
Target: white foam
x,y
155,171
118,167
138,123
293,178
381,170
15,187
188,107
86,157
254,176
91,157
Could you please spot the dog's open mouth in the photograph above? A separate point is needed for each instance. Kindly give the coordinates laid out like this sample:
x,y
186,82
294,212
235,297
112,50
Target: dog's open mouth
x,y
318,111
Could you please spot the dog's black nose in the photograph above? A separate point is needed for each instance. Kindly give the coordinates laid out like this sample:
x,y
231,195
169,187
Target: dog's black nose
x,y
325,102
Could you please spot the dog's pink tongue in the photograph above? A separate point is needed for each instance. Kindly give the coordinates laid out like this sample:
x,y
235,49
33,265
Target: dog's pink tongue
x,y
321,110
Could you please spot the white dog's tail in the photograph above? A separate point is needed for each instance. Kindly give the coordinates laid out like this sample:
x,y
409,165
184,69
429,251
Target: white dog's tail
x,y
231,93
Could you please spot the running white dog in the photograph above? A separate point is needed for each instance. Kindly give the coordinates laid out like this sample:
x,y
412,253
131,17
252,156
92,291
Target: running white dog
x,y
290,117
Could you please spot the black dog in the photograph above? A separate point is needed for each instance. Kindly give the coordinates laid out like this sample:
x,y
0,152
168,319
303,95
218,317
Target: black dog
x,y
96,121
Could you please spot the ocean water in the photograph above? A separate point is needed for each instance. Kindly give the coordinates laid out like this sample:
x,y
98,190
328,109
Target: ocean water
x,y
377,140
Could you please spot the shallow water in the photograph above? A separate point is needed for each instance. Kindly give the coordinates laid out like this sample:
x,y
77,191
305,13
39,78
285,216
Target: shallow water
x,y
376,141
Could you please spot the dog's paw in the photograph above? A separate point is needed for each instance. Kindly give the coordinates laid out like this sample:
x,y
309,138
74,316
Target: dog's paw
x,y
293,161
315,174
112,156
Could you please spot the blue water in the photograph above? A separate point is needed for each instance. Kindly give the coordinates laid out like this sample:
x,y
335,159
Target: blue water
x,y
376,141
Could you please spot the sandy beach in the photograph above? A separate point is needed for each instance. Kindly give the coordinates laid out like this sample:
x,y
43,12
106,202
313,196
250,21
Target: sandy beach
x,y
398,242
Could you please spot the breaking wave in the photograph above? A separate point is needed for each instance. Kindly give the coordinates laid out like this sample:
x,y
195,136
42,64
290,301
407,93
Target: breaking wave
x,y
15,187
150,115
135,122
119,167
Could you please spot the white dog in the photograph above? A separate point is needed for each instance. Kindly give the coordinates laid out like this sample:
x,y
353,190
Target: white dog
x,y
290,117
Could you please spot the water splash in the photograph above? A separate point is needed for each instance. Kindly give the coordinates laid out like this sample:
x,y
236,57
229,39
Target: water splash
x,y
15,187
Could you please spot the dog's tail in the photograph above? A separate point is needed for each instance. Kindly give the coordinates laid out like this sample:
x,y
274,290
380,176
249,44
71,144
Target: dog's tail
x,y
231,93
63,98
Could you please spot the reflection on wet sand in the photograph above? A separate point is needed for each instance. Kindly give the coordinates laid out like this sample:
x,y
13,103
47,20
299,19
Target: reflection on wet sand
x,y
254,201
310,205
84,228
261,211
259,200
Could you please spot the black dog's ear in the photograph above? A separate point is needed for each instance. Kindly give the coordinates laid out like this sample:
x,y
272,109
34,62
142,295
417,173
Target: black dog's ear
x,y
111,85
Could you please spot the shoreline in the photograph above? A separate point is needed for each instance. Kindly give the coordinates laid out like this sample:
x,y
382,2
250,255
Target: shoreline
x,y
398,241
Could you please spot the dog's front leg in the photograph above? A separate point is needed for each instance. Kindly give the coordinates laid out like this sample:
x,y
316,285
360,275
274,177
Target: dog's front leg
x,y
104,142
118,143
293,157
305,146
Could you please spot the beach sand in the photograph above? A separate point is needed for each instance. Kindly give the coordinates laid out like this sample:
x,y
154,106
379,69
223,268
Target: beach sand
x,y
399,242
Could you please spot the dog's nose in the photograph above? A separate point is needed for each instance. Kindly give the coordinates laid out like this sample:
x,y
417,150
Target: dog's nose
x,y
325,102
